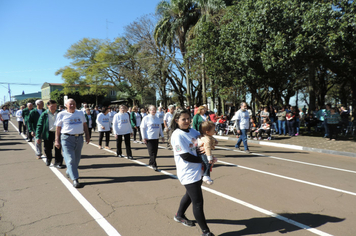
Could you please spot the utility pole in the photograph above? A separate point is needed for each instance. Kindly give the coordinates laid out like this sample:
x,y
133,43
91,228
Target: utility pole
x,y
107,28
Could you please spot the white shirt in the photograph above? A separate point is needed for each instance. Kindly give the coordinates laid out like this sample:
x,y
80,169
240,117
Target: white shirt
x,y
19,115
183,142
244,118
111,115
160,115
138,119
168,118
121,124
5,114
151,127
103,120
71,123
51,121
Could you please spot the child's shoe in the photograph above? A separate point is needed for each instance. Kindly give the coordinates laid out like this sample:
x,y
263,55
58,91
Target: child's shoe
x,y
207,180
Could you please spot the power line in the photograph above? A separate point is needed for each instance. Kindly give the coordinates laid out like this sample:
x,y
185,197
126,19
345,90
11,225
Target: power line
x,y
19,83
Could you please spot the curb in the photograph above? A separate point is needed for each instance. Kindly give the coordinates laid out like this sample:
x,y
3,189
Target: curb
x,y
290,146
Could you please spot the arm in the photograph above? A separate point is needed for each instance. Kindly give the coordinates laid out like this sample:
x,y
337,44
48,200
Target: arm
x,y
195,123
86,131
58,134
115,126
39,127
190,158
133,119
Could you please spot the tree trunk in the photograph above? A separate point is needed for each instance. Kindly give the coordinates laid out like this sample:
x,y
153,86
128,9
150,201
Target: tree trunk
x,y
312,96
188,82
203,79
353,90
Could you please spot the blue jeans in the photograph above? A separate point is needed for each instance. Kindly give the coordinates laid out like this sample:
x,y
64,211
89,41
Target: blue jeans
x,y
242,138
72,150
291,126
206,165
282,125
326,128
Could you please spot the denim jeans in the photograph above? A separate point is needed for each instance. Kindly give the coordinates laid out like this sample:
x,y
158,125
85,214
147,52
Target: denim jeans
x,y
326,128
5,124
242,138
282,126
38,147
206,165
72,150
291,126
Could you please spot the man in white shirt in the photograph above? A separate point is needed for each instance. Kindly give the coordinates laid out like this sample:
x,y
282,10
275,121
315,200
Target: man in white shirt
x,y
167,123
5,114
242,125
20,120
71,125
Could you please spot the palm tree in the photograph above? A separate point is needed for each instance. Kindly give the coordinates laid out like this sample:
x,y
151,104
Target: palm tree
x,y
177,18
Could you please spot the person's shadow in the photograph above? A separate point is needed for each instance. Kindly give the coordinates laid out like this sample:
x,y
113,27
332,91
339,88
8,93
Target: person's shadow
x,y
271,224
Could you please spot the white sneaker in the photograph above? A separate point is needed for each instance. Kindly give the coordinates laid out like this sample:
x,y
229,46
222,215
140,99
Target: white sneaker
x,y
207,180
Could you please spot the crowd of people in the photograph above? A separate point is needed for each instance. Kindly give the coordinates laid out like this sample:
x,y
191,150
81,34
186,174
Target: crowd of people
x,y
189,133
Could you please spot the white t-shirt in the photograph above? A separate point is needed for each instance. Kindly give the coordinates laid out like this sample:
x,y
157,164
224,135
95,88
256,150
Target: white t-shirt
x,y
138,119
160,115
5,114
168,118
121,124
71,123
111,115
186,142
151,127
103,120
244,118
19,115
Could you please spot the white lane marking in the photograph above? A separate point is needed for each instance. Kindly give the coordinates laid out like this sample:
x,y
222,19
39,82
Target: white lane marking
x,y
238,201
104,224
283,159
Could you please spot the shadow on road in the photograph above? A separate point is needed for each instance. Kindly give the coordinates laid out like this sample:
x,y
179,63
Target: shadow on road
x,y
271,224
110,179
112,165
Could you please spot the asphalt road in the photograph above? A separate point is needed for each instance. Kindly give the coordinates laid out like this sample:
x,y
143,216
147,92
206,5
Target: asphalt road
x,y
268,192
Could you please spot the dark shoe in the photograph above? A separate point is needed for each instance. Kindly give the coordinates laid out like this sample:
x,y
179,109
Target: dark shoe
x,y
76,184
68,176
29,140
120,155
154,168
184,220
130,157
48,162
207,234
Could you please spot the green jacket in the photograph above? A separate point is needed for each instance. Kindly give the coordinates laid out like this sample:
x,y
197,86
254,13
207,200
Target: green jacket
x,y
25,115
93,121
133,119
197,120
33,119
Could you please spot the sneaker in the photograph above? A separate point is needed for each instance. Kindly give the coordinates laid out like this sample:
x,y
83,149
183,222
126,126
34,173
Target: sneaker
x,y
259,138
207,180
247,151
184,220
100,148
333,139
135,141
207,234
269,138
237,147
254,138
107,147
296,134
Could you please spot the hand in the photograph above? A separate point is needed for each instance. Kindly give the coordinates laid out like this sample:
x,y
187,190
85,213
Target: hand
x,y
57,144
162,139
239,131
87,139
201,150
38,141
102,127
116,136
33,134
145,141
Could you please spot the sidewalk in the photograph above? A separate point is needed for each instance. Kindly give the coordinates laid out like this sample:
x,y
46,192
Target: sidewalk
x,y
306,143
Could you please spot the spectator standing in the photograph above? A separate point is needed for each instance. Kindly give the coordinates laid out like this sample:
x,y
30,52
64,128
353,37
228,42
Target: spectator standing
x,y
20,120
143,112
46,130
290,117
167,123
199,118
333,119
242,118
189,170
71,125
136,118
122,127
32,126
160,115
103,123
304,109
282,121
91,123
151,129
5,114
310,121
25,115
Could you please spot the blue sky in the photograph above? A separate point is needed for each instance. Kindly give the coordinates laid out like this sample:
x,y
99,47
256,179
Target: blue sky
x,y
34,35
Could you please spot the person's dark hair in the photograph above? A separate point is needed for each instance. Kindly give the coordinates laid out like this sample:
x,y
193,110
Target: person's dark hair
x,y
50,102
103,110
206,126
176,116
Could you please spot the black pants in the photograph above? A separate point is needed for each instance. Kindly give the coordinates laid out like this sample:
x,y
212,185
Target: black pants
x,y
332,130
107,137
261,131
194,195
135,131
152,146
20,125
90,131
127,145
5,124
48,146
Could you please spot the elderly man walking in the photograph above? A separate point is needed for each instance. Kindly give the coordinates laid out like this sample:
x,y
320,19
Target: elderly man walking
x,y
32,125
25,115
242,118
46,130
71,125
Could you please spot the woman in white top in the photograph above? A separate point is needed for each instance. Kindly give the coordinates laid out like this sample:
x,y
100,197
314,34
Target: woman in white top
x,y
151,129
189,169
20,120
122,127
160,115
135,118
103,123
143,112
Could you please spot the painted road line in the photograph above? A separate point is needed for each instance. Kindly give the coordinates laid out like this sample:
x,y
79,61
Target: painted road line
x,y
104,224
238,201
283,159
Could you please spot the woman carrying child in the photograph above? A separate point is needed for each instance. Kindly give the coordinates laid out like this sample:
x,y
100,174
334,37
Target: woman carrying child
x,y
189,170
